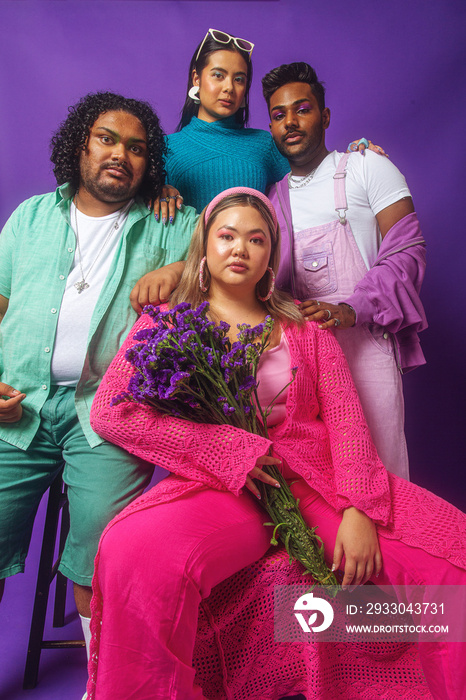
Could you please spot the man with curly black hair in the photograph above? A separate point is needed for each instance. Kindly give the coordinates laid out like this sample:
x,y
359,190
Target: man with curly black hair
x,y
68,262
72,136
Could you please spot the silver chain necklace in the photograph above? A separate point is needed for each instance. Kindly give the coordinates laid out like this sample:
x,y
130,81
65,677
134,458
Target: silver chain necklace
x,y
82,284
296,181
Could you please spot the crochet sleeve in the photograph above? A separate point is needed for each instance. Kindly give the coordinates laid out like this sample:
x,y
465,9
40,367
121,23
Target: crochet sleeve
x,y
220,456
361,480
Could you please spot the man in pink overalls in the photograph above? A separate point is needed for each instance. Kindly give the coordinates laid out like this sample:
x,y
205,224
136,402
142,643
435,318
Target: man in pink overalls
x,y
352,252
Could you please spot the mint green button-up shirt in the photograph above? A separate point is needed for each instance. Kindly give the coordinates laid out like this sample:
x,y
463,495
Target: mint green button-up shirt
x,y
37,247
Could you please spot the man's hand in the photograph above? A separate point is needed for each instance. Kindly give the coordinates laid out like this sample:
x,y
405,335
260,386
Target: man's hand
x,y
156,287
10,408
357,541
328,315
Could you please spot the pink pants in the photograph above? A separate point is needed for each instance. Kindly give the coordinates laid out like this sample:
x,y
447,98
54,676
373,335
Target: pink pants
x,y
157,564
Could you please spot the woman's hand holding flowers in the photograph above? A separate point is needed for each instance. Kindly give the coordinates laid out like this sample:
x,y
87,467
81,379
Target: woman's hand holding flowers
x,y
257,473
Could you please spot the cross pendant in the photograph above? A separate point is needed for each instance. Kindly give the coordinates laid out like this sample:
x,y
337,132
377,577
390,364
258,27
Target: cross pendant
x,y
81,286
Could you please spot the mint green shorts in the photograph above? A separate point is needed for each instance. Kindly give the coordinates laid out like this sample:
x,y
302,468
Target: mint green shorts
x,y
101,482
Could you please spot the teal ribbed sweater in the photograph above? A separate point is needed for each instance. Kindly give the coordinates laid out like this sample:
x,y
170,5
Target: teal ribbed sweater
x,y
207,157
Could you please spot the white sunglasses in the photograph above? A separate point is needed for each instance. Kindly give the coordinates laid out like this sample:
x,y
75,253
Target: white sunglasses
x,y
224,38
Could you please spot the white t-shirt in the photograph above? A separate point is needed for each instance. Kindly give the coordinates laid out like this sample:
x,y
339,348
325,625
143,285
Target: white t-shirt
x,y
98,240
372,183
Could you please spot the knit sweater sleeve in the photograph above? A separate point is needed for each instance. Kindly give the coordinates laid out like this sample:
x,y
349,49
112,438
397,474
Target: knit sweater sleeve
x,y
219,456
278,165
360,478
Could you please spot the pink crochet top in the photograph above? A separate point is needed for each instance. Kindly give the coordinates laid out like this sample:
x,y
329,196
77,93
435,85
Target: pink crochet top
x,y
324,439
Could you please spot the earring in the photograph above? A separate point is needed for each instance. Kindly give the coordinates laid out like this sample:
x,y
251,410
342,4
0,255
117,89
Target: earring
x,y
201,274
272,287
193,93
243,103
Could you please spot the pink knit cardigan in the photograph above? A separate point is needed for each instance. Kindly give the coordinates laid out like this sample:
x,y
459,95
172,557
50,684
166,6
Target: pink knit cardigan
x,y
324,439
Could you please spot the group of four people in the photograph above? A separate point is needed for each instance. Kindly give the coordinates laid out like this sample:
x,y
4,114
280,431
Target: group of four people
x,y
351,252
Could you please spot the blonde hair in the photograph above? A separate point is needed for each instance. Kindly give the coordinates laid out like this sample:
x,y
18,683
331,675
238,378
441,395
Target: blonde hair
x,y
280,305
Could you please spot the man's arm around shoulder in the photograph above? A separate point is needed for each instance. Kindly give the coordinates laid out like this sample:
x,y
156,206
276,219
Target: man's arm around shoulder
x,y
155,287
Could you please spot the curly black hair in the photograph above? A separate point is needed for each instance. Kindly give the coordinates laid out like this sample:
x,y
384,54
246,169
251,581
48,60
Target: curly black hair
x,y
72,134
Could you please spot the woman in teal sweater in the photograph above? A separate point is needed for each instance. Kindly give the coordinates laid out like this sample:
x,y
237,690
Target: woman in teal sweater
x,y
212,149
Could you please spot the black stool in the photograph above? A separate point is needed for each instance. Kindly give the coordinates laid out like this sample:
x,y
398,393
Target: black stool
x,y
57,502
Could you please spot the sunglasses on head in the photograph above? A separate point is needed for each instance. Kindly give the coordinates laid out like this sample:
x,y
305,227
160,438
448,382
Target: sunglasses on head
x,y
224,38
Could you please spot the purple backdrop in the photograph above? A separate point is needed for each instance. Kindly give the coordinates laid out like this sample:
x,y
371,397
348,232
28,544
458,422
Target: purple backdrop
x,y
394,73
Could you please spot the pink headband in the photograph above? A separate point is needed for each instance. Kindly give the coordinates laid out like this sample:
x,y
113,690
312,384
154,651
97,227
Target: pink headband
x,y
241,190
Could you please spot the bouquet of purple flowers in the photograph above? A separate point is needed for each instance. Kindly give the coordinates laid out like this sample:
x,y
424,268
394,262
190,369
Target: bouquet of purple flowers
x,y
187,366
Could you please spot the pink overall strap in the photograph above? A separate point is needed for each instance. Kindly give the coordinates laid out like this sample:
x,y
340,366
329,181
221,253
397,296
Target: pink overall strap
x,y
341,204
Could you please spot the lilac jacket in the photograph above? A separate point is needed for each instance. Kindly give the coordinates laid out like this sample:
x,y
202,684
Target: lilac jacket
x,y
388,294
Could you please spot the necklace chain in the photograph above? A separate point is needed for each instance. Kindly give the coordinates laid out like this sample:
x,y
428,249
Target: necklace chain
x,y
83,284
296,181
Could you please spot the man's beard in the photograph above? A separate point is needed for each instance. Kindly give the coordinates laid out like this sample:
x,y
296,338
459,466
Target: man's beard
x,y
306,148
108,190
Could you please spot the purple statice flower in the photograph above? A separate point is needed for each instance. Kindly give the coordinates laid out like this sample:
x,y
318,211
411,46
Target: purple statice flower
x,y
219,332
184,338
177,380
227,409
152,311
252,353
248,384
180,308
248,335
124,396
233,358
185,362
156,313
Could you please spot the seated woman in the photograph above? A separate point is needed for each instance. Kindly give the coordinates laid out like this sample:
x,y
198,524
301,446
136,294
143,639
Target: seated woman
x,y
167,550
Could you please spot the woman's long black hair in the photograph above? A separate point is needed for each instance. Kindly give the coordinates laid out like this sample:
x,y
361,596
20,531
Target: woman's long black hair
x,y
190,108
